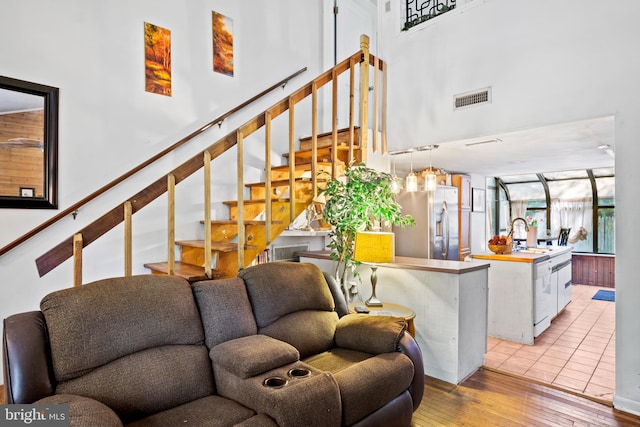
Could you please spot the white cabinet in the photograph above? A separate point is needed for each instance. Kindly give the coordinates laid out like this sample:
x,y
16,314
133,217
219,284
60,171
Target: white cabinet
x,y
554,293
450,302
526,291
561,281
543,309
564,284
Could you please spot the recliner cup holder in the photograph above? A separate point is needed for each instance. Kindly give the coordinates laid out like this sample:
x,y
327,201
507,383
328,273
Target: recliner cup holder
x,y
299,373
275,382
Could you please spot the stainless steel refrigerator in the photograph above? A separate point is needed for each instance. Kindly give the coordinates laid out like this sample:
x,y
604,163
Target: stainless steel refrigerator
x,y
435,234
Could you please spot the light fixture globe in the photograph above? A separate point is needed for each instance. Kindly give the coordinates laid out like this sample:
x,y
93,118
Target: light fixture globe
x,y
411,182
430,181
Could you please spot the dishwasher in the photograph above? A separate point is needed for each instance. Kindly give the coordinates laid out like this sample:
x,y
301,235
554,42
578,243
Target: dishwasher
x,y
541,296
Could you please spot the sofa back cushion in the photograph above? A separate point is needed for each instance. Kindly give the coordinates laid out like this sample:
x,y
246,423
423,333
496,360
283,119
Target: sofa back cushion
x,y
148,381
225,310
292,302
92,325
126,340
279,288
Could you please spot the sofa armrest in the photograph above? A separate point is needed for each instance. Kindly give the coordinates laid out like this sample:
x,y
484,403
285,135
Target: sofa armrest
x,y
409,347
370,334
253,355
28,370
84,411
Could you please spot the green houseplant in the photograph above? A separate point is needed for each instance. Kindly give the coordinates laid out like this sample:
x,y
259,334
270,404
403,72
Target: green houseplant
x,y
362,200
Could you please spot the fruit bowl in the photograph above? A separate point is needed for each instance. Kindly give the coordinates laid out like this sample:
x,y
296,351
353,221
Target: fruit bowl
x,y
500,249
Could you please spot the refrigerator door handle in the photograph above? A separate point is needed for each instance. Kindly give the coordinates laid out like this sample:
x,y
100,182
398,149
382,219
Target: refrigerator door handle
x,y
445,214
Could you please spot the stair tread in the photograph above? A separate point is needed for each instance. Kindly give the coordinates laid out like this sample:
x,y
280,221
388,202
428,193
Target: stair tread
x,y
257,201
190,272
216,246
321,151
246,222
278,182
299,166
329,133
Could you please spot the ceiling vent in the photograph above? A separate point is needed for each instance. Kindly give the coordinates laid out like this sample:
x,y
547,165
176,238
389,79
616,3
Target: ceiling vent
x,y
481,96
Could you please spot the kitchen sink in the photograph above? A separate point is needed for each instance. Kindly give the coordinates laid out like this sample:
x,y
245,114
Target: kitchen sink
x,y
535,250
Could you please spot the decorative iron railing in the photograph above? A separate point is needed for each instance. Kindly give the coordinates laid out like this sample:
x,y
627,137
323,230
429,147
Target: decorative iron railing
x,y
419,11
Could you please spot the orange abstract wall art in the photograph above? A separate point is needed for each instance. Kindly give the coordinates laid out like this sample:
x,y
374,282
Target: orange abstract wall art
x,y
222,35
157,59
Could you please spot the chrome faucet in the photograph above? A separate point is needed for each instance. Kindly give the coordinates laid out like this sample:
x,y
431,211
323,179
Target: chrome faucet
x,y
526,227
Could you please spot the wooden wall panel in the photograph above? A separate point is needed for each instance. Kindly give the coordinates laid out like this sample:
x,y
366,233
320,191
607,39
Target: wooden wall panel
x,y
593,270
28,125
21,157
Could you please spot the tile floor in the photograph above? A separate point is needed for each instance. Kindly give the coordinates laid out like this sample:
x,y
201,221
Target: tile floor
x,y
576,353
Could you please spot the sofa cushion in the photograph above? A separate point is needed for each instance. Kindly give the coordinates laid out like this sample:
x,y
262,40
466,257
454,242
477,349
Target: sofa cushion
x,y
309,331
279,288
260,420
311,400
370,384
100,322
149,381
250,356
210,411
336,359
371,334
83,411
225,310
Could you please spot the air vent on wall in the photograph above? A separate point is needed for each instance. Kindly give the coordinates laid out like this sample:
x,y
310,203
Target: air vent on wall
x,y
286,253
468,99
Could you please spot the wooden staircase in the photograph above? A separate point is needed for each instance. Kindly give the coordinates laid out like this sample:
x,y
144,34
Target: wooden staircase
x,y
252,225
224,233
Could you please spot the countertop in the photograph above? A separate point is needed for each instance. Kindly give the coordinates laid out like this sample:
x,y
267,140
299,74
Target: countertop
x,y
441,266
523,256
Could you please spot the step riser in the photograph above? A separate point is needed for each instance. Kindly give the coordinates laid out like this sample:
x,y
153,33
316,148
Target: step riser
x,y
303,191
279,210
300,171
327,140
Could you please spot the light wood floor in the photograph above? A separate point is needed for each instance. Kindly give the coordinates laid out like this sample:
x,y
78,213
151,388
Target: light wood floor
x,y
489,398
494,399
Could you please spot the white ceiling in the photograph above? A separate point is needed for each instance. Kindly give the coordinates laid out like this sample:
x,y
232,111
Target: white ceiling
x,y
14,101
562,147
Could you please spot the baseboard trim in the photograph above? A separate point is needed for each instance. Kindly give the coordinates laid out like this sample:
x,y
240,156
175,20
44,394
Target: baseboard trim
x,y
626,405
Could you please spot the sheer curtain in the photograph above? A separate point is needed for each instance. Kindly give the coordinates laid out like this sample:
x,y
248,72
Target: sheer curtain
x,y
518,209
577,215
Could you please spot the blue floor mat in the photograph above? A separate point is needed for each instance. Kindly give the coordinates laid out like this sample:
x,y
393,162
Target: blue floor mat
x,y
605,295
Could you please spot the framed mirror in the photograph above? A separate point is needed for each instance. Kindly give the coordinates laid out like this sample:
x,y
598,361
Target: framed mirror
x,y
28,145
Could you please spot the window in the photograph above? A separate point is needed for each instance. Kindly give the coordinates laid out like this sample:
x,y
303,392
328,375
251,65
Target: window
x,y
418,11
565,199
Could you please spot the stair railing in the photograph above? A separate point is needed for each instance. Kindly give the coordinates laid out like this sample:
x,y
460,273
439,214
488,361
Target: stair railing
x,y
72,247
74,208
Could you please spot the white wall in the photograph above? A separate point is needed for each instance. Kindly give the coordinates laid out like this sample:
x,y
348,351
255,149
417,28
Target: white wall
x,y
547,62
93,52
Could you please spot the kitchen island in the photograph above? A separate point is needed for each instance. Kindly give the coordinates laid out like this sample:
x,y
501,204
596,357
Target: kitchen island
x,y
449,299
527,289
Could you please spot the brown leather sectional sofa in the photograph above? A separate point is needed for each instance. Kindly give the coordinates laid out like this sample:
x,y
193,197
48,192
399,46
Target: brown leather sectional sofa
x,y
273,346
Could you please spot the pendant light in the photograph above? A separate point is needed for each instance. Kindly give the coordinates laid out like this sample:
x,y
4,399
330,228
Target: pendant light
x,y
411,182
430,177
396,184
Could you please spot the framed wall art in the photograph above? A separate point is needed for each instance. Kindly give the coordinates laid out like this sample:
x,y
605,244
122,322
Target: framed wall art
x,y
222,41
157,59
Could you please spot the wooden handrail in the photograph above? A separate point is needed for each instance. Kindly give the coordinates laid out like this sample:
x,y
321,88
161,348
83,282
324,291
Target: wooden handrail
x,y
73,208
109,220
